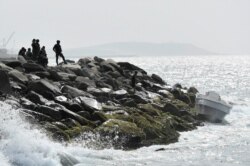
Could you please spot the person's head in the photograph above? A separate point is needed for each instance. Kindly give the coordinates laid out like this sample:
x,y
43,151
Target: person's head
x,y
58,41
37,41
43,47
29,49
34,40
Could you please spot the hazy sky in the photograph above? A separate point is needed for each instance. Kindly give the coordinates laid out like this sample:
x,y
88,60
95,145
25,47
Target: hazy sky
x,y
216,25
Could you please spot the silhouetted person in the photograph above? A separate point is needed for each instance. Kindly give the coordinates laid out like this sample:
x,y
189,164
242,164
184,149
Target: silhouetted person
x,y
29,54
58,50
35,49
42,58
22,52
133,80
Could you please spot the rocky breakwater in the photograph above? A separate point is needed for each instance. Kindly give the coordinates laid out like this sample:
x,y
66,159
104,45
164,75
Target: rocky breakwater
x,y
95,96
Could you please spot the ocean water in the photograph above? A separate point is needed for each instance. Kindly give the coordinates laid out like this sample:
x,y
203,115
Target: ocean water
x,y
223,144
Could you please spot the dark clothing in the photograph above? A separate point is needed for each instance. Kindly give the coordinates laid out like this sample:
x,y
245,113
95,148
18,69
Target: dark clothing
x,y
35,50
22,52
58,50
133,81
29,54
61,55
42,58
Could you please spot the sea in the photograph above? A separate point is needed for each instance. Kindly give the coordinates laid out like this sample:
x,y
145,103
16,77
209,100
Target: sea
x,y
221,144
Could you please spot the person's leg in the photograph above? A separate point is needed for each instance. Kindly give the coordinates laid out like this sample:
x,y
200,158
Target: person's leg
x,y
63,58
56,59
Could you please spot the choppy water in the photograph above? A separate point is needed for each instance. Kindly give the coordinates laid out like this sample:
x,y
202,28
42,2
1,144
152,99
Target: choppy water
x,y
214,144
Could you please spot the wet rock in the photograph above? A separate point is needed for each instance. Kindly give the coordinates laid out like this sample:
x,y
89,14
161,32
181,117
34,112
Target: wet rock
x,y
127,134
33,67
27,104
98,59
39,116
12,63
4,83
157,79
84,114
70,123
44,88
129,103
119,94
130,67
60,125
89,102
177,85
66,76
192,90
172,109
84,61
69,114
53,113
5,68
43,74
84,83
149,109
74,92
36,98
100,116
18,76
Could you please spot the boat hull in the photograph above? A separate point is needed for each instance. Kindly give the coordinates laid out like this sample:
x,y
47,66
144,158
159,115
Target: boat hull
x,y
211,110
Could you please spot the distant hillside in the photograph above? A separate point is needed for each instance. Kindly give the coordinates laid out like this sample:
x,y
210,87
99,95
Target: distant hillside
x,y
137,49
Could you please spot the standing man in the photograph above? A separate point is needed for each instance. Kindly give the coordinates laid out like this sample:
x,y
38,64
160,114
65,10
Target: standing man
x,y
58,50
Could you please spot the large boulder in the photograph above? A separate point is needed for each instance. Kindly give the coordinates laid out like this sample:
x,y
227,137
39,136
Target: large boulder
x,y
44,88
84,82
4,83
12,63
18,76
89,102
69,114
5,68
53,113
157,79
127,134
33,67
130,67
74,92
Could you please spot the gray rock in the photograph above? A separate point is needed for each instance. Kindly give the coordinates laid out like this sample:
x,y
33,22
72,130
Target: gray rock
x,y
36,98
157,79
44,88
5,68
90,102
33,67
84,82
130,67
4,82
84,61
69,114
74,92
38,116
53,113
18,76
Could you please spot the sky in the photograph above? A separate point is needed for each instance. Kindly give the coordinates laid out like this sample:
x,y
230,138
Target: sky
x,y
221,26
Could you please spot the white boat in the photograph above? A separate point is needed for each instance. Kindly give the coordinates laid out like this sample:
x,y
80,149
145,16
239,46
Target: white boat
x,y
211,107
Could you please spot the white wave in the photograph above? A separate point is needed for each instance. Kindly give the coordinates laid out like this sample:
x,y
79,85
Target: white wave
x,y
20,144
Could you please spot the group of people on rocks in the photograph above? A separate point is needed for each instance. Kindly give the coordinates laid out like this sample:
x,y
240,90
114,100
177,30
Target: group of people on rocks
x,y
39,54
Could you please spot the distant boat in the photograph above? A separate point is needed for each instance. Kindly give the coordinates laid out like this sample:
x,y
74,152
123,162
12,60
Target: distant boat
x,y
211,107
